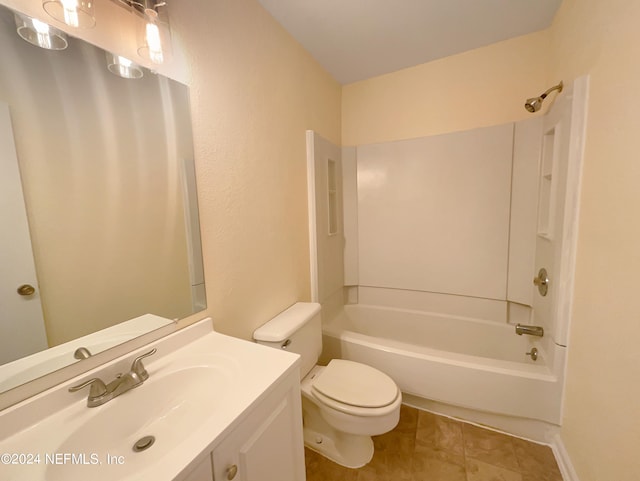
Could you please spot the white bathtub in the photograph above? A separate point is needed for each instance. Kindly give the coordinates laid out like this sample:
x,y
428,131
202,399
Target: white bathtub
x,y
460,361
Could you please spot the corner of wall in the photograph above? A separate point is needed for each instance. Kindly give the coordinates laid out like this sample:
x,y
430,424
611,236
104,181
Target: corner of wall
x,y
563,459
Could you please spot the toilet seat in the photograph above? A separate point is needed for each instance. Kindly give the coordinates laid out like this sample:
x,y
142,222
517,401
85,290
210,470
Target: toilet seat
x,y
355,388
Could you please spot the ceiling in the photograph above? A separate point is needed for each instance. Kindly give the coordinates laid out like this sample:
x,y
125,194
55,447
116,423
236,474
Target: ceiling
x,y
358,39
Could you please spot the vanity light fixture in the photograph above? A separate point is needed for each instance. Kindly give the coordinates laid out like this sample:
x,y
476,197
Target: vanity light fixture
x,y
39,33
151,48
154,36
75,13
123,67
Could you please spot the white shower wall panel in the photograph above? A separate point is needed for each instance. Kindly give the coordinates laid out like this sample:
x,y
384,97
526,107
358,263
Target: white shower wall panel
x,y
350,215
433,213
327,257
524,210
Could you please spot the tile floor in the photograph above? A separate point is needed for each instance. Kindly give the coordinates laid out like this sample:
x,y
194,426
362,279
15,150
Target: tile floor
x,y
427,447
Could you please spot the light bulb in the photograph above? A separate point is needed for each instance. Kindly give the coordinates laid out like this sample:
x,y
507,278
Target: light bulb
x,y
125,62
70,8
42,31
40,27
154,43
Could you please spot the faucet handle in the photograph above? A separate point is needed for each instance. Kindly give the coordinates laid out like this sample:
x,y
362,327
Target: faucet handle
x,y
98,388
138,367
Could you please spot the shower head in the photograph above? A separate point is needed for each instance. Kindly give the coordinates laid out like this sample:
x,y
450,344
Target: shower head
x,y
535,103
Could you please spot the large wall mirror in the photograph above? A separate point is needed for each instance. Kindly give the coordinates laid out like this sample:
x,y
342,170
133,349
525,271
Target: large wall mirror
x,y
97,201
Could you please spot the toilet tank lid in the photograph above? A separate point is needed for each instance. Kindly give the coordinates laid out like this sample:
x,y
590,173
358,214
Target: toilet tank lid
x,y
287,322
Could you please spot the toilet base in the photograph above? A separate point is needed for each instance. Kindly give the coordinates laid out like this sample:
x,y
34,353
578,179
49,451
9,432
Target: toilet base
x,y
355,451
349,450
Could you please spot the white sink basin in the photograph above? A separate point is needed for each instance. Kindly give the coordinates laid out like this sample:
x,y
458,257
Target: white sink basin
x,y
169,407
199,383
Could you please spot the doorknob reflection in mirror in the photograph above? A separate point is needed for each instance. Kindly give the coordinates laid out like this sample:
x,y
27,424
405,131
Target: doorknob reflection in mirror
x,y
542,281
26,290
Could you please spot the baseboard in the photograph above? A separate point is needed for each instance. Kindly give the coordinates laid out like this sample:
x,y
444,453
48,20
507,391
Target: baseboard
x,y
563,460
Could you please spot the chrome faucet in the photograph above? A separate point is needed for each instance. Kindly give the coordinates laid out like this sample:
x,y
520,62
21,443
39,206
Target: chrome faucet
x,y
530,330
101,393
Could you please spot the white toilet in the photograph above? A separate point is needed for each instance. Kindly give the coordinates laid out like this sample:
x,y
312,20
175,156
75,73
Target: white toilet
x,y
343,403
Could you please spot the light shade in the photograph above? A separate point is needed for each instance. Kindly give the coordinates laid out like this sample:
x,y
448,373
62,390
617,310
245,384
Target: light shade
x,y
39,33
154,35
123,67
75,13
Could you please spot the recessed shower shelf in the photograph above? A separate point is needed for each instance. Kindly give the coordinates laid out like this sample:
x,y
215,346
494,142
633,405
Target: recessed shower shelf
x,y
546,188
332,191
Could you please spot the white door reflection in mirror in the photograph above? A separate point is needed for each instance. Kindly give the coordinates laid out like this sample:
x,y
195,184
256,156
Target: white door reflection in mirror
x,y
22,330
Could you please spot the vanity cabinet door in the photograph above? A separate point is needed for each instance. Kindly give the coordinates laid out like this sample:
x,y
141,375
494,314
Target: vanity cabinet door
x,y
267,445
202,472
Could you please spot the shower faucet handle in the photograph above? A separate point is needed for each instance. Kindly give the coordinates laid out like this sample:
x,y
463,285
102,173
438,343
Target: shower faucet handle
x,y
542,281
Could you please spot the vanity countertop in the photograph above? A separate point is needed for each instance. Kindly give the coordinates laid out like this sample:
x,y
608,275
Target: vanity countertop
x,y
195,394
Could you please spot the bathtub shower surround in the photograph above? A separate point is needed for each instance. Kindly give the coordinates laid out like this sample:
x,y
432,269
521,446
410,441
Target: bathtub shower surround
x,y
324,181
434,214
474,214
443,236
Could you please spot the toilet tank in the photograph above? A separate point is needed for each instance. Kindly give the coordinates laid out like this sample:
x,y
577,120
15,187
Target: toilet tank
x,y
299,330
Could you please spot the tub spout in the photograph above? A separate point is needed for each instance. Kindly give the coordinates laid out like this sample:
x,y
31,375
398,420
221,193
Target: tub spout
x,y
530,330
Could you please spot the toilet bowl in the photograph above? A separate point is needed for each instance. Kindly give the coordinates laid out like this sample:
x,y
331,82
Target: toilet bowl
x,y
343,403
341,428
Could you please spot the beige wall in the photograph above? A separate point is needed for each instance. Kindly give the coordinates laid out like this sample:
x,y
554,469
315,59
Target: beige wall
x,y
601,424
479,88
254,92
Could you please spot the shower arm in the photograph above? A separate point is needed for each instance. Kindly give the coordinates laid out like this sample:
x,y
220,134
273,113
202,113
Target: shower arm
x,y
555,87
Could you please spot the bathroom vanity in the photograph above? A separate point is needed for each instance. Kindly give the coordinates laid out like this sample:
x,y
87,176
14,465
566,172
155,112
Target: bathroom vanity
x,y
213,408
262,446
